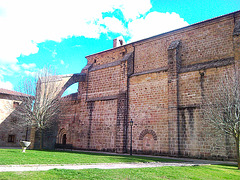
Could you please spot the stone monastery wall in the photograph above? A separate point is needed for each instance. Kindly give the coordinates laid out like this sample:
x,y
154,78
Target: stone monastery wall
x,y
159,84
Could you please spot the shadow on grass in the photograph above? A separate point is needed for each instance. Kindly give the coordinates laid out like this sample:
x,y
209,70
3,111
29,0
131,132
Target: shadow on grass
x,y
116,156
228,166
13,151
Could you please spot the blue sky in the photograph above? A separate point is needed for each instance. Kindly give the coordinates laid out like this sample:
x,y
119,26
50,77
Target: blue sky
x,y
59,33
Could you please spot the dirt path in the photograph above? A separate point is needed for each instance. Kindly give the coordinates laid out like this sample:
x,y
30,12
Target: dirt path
x,y
45,167
38,167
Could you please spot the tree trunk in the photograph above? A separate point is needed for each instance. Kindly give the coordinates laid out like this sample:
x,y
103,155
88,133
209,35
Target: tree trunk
x,y
237,148
41,139
26,137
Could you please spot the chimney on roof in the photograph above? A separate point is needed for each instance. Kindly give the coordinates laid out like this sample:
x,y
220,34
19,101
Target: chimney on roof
x,y
119,41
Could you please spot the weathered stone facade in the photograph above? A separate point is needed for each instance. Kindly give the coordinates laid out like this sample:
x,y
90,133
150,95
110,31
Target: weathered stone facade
x,y
159,83
11,128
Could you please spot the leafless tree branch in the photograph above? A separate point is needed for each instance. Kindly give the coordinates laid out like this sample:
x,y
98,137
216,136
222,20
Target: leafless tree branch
x,y
41,109
222,106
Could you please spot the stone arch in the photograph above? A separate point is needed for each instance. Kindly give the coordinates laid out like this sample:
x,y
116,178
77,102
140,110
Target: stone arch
x,y
72,79
146,131
62,136
148,141
74,88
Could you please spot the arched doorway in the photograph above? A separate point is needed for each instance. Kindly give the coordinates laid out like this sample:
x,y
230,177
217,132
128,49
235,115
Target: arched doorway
x,y
64,139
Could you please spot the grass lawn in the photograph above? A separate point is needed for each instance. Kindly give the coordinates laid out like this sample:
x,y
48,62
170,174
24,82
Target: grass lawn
x,y
15,156
194,172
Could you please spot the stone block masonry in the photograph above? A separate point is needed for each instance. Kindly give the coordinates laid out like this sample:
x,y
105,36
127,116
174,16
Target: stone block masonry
x,y
159,83
12,127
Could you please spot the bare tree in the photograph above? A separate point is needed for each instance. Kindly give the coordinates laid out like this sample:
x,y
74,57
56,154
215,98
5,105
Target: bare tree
x,y
41,111
222,106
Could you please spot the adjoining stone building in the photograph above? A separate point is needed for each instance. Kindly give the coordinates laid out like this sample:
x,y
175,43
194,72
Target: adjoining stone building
x,y
12,129
159,84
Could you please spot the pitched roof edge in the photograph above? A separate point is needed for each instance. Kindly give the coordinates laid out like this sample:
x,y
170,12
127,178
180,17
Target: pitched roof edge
x,y
13,93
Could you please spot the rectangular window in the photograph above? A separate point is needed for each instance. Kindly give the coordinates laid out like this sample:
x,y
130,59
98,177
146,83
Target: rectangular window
x,y
11,138
15,104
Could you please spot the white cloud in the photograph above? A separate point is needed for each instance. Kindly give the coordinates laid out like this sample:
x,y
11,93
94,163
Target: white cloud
x,y
6,85
28,66
15,67
77,45
153,24
26,23
54,53
11,69
16,71
114,25
62,62
134,8
30,73
6,70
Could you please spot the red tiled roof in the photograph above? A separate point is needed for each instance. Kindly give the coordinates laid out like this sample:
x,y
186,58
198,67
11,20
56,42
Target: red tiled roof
x,y
9,92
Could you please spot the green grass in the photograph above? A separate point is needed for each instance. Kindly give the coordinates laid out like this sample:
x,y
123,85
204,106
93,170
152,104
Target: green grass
x,y
15,156
194,172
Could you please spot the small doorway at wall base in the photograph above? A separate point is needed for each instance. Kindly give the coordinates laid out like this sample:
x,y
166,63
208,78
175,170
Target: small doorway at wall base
x,y
64,139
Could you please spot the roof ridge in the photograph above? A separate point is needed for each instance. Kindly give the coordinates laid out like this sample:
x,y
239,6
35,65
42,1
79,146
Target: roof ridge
x,y
11,92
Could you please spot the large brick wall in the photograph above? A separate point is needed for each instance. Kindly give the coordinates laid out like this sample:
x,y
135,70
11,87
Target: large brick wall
x,y
159,83
104,82
148,108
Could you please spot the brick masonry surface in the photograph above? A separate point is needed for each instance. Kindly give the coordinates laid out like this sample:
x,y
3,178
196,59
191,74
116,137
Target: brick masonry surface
x,y
12,129
159,83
